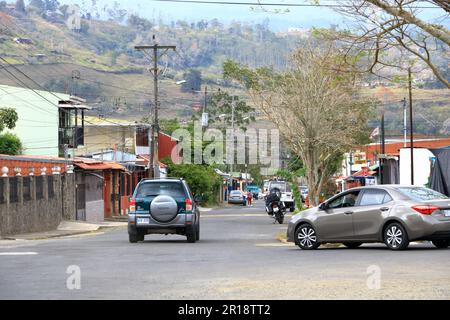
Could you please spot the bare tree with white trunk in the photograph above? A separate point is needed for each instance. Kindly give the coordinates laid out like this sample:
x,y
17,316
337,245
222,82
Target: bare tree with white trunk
x,y
317,109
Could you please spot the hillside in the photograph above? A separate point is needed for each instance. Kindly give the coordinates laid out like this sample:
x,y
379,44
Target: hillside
x,y
98,62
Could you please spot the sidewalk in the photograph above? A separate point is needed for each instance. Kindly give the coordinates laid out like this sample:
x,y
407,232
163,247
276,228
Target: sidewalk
x,y
67,228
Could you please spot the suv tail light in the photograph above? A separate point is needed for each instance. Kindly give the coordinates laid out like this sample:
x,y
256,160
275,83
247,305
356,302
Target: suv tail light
x,y
427,210
188,205
132,205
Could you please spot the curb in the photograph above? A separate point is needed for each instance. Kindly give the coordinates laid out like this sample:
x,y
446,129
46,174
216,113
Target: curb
x,y
56,236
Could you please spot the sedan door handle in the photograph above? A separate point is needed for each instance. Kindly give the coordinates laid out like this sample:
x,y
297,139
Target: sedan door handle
x,y
349,213
385,209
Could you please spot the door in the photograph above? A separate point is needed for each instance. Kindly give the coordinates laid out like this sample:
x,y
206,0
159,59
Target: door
x,y
368,217
336,223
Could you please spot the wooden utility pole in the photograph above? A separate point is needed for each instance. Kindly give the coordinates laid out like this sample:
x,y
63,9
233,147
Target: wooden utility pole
x,y
154,56
411,124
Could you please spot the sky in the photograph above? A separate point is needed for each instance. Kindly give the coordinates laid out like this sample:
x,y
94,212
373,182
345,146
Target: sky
x,y
298,17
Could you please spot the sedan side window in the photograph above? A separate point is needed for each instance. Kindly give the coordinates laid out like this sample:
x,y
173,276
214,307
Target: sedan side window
x,y
375,197
348,200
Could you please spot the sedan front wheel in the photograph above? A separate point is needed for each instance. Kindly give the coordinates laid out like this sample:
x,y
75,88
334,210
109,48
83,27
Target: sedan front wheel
x,y
306,237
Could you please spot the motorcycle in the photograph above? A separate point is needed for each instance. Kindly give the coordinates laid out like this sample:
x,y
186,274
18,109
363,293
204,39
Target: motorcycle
x,y
275,207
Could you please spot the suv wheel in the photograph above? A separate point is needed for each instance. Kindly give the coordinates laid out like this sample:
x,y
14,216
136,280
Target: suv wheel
x,y
395,237
197,232
191,235
306,237
133,238
441,244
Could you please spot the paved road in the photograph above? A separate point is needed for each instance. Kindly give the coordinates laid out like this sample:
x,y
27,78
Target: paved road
x,y
237,258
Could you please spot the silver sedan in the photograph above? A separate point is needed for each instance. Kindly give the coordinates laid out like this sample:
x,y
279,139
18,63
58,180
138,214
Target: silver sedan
x,y
391,214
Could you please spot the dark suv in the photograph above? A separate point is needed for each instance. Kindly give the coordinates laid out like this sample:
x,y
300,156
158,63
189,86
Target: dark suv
x,y
163,206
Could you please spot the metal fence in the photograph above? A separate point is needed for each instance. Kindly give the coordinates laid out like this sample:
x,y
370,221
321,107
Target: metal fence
x,y
2,190
50,187
39,187
13,190
26,189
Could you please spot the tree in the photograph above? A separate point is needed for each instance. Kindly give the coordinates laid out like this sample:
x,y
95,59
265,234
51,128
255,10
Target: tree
x,y
139,23
8,118
10,144
317,110
193,78
220,110
386,27
20,6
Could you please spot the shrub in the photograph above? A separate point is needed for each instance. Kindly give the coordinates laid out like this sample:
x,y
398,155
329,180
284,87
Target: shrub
x,y
10,144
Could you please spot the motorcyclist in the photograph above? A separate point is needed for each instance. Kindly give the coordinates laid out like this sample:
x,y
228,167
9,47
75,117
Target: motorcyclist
x,y
274,196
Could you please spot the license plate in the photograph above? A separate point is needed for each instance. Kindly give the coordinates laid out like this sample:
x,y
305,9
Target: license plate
x,y
142,220
447,213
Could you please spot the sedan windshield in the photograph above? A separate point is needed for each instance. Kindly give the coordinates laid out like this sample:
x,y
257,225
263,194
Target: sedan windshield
x,y
422,194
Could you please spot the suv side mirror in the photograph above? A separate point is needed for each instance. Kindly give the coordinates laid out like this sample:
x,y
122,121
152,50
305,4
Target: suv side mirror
x,y
198,199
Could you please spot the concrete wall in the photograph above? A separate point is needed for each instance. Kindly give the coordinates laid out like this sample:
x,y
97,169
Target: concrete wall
x,y
35,209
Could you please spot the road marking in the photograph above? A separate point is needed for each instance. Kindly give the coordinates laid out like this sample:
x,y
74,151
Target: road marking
x,y
18,253
233,215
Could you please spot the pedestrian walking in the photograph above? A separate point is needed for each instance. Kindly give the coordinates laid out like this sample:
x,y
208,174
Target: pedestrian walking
x,y
250,199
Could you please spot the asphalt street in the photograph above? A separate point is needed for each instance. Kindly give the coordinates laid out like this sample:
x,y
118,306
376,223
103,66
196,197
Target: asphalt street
x,y
238,257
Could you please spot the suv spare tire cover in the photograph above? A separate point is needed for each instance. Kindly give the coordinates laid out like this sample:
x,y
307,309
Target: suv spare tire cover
x,y
164,209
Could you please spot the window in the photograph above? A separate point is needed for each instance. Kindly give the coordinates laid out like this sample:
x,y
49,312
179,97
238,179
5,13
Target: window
x,y
348,200
421,194
154,189
283,186
375,197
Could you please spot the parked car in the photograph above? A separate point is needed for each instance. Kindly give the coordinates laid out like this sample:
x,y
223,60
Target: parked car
x,y
286,193
236,197
391,214
255,190
163,206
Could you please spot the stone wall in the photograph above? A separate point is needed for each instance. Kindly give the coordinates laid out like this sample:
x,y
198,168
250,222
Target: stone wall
x,y
36,203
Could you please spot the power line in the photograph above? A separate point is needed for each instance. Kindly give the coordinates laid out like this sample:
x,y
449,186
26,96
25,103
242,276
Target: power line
x,y
279,4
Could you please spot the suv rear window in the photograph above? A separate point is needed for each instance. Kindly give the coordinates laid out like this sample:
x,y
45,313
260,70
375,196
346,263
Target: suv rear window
x,y
422,194
154,189
282,186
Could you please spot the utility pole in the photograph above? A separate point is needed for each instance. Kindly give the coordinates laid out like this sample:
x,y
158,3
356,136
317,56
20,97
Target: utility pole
x,y
383,149
233,107
405,123
411,123
155,55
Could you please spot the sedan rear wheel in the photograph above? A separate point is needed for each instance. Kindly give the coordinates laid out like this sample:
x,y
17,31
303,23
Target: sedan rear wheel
x,y
306,237
441,244
395,237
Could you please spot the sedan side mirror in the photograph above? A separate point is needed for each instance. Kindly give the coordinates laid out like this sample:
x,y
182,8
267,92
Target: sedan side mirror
x,y
323,207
